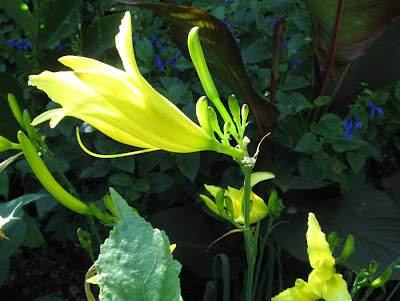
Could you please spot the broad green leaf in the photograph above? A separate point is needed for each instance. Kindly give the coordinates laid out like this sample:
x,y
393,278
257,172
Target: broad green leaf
x,y
312,170
121,179
259,176
308,143
293,82
363,22
61,20
4,184
159,182
356,161
188,164
135,262
4,269
100,35
33,237
343,145
143,49
98,169
220,49
322,100
369,215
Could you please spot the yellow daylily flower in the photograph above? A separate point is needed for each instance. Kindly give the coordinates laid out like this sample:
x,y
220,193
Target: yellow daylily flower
x,y
323,282
122,104
259,209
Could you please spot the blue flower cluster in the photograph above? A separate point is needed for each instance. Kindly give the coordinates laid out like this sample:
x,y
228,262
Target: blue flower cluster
x,y
348,127
19,45
374,109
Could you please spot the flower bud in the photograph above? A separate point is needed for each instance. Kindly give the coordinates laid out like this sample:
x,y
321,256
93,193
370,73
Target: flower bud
x,y
373,266
199,61
108,202
382,279
12,102
6,144
47,180
235,110
333,241
202,115
245,114
348,248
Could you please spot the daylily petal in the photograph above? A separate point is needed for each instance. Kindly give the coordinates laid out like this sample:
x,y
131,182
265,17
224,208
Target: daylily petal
x,y
300,292
210,204
337,289
319,253
318,285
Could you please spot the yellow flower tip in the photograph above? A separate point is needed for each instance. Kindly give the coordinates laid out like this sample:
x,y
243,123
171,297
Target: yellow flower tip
x,y
93,280
172,247
319,253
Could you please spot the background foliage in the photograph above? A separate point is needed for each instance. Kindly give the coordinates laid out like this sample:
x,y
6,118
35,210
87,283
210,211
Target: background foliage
x,y
318,168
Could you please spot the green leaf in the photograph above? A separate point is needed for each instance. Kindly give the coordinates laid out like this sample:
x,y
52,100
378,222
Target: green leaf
x,y
100,35
98,169
220,49
322,100
33,237
61,20
4,269
257,52
312,170
356,161
369,215
293,82
308,143
295,43
159,182
144,49
4,185
124,163
135,262
259,176
121,179
362,23
343,145
141,185
188,164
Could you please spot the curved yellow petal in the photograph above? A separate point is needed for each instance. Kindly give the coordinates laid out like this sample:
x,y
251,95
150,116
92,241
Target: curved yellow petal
x,y
337,289
319,254
300,292
210,204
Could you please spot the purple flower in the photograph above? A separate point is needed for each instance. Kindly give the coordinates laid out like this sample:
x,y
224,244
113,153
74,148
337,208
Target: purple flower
x,y
253,71
283,45
171,62
59,46
374,109
348,128
295,63
159,64
135,38
178,54
153,39
160,45
230,26
228,1
19,45
272,21
357,123
224,19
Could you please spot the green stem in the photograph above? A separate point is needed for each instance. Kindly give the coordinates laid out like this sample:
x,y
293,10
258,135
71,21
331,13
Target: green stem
x,y
93,228
248,234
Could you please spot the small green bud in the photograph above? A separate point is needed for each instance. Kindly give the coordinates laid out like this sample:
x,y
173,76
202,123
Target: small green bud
x,y
362,274
333,241
108,202
220,201
229,206
348,248
84,238
203,115
245,114
246,142
12,102
235,111
96,211
227,127
215,125
373,266
29,128
6,144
